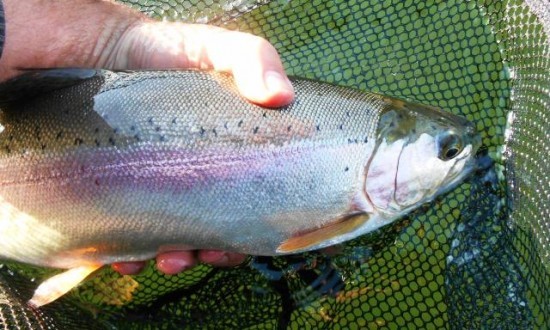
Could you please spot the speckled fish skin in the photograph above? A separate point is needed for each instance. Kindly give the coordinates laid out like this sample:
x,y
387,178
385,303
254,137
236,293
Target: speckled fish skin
x,y
122,164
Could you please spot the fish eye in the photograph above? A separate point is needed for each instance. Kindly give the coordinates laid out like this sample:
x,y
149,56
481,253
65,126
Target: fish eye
x,y
450,145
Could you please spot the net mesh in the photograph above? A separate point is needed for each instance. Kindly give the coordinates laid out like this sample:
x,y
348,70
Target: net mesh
x,y
477,258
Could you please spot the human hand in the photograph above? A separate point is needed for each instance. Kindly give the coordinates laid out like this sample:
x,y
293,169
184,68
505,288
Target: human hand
x,y
173,262
90,33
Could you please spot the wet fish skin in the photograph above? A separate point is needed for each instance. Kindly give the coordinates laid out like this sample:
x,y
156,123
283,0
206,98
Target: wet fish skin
x,y
122,163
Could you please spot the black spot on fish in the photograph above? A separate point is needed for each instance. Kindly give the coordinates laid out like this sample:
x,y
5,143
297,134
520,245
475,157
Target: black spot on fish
x,y
366,140
96,181
347,114
96,130
137,137
162,138
350,141
111,141
265,115
413,131
256,129
59,135
150,120
116,130
318,127
346,169
174,120
8,149
215,133
132,128
392,124
289,128
78,141
240,123
225,126
157,128
97,142
10,138
400,116
43,146
341,126
202,131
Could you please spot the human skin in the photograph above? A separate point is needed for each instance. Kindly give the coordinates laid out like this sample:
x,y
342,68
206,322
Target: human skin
x,y
102,34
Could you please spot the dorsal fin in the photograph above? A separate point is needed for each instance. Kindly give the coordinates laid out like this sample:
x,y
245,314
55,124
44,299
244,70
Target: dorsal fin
x,y
35,82
310,239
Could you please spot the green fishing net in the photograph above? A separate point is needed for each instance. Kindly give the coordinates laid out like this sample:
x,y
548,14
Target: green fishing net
x,y
477,258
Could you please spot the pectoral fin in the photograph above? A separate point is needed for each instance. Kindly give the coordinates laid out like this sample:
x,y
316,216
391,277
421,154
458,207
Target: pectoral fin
x,y
301,242
58,285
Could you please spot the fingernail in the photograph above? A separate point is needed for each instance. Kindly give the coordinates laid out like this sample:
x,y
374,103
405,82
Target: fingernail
x,y
173,266
222,260
174,262
276,83
213,257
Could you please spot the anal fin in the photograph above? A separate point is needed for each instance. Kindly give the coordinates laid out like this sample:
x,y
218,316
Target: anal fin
x,y
307,240
58,285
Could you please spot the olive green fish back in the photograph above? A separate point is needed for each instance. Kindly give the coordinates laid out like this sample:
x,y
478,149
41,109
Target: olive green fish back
x,y
477,258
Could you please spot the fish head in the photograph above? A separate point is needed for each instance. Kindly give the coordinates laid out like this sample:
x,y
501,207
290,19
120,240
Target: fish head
x,y
421,153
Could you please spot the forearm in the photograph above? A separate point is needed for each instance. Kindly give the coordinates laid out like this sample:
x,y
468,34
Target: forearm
x,y
53,33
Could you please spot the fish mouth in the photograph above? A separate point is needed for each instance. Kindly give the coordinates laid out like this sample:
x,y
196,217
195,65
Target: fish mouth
x,y
473,137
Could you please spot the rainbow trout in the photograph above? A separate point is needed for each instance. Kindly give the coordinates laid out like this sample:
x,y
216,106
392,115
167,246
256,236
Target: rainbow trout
x,y
108,167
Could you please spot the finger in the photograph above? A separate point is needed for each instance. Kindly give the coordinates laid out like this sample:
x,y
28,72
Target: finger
x,y
129,268
221,258
174,262
254,62
333,250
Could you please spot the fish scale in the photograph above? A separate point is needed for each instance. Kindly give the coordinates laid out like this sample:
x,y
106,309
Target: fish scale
x,y
108,166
